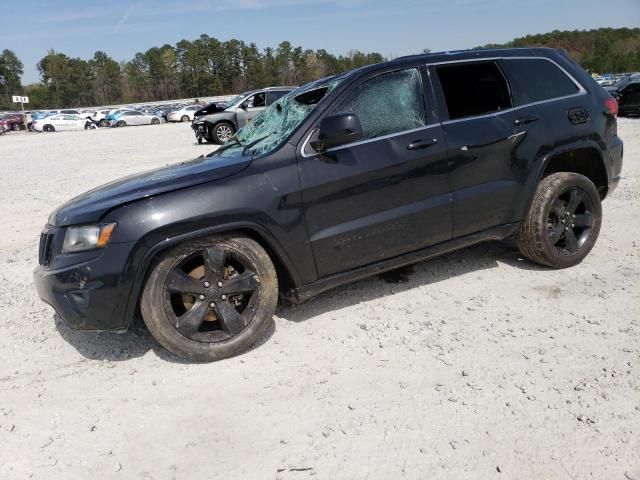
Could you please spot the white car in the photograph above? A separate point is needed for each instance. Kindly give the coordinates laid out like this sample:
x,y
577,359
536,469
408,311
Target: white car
x,y
98,117
185,114
134,117
61,122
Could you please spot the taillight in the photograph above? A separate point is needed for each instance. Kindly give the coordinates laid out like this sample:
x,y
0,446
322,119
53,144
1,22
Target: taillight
x,y
612,106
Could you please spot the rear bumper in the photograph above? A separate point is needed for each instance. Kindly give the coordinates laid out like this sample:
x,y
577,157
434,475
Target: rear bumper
x,y
614,167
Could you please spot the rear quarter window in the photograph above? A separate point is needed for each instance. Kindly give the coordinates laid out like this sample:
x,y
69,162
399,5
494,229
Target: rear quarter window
x,y
537,79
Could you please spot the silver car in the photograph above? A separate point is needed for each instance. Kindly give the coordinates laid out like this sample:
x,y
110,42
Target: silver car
x,y
217,123
134,117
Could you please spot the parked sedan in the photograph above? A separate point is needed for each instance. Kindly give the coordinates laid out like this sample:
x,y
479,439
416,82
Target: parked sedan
x,y
14,120
62,122
133,117
184,114
4,127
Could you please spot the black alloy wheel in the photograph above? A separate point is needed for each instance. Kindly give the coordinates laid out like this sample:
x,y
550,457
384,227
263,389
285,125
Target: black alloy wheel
x,y
563,222
570,220
212,298
208,294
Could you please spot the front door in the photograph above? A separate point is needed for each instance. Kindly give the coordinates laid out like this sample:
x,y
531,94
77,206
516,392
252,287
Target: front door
x,y
387,194
250,108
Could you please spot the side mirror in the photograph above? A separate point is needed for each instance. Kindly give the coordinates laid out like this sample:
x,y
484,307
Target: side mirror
x,y
337,130
244,105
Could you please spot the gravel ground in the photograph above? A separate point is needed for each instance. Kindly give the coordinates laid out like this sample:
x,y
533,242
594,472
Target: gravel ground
x,y
473,365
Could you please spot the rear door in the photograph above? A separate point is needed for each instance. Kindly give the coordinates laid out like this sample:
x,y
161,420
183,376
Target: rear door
x,y
135,118
386,194
490,143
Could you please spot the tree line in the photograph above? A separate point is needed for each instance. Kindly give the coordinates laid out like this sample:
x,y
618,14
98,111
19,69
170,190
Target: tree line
x,y
603,50
199,68
208,67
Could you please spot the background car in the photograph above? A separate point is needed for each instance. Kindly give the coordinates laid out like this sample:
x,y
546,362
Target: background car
x,y
623,82
4,127
14,120
217,123
184,114
134,117
629,99
99,117
61,122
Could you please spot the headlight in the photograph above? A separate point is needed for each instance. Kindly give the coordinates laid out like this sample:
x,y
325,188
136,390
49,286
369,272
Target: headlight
x,y
87,237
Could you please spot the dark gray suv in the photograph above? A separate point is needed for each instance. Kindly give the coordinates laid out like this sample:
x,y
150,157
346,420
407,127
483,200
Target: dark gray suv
x,y
217,123
345,177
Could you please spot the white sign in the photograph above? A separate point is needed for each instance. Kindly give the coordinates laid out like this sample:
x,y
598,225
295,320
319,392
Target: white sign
x,y
25,100
16,98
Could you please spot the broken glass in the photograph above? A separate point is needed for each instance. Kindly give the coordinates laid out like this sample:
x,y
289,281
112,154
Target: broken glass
x,y
389,103
269,129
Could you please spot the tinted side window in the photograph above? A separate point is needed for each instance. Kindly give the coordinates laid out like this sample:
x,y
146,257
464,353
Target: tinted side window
x,y
473,89
389,103
257,100
537,79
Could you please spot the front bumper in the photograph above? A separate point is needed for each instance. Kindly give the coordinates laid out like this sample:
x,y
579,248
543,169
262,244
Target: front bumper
x,y
87,290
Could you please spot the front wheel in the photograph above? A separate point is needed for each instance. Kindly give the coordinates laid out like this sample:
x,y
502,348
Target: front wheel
x,y
103,123
155,121
222,132
49,128
185,118
563,223
121,123
210,298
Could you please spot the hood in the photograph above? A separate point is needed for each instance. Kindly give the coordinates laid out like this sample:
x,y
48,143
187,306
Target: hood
x,y
209,109
93,205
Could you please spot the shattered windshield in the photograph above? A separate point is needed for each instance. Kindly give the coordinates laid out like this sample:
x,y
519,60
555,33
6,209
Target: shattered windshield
x,y
269,129
233,101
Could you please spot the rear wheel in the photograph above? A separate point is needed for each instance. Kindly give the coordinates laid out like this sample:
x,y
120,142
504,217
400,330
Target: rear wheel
x,y
185,118
211,298
222,132
49,128
563,223
155,121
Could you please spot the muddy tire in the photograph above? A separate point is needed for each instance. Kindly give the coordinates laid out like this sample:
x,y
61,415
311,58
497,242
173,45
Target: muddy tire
x,y
563,223
210,298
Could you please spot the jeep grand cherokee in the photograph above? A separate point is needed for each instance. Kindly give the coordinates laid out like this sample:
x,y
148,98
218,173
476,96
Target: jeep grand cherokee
x,y
342,178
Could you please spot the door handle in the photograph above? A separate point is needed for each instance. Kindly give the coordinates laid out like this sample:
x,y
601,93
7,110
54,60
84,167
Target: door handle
x,y
420,144
524,120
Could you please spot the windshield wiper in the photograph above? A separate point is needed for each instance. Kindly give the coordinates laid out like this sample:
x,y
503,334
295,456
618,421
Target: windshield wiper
x,y
231,142
255,142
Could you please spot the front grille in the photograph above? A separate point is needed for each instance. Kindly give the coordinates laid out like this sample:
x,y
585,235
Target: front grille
x,y
44,251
